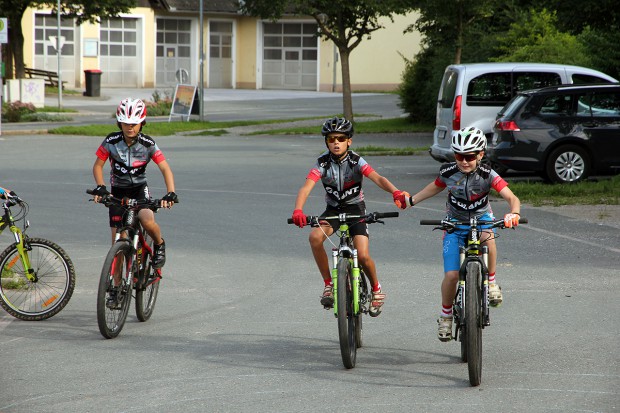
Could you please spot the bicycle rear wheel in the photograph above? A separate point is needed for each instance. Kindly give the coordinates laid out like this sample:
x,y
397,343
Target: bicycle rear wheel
x,y
364,300
346,318
48,293
146,291
111,316
473,322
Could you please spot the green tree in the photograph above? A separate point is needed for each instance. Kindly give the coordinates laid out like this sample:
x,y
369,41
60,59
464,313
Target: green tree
x,y
534,37
344,22
80,10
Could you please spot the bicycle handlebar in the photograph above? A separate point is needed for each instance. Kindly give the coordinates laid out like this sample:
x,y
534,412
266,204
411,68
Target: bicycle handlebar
x,y
109,200
368,218
445,224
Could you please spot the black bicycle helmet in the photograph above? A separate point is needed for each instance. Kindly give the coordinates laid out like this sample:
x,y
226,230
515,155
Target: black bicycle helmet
x,y
337,125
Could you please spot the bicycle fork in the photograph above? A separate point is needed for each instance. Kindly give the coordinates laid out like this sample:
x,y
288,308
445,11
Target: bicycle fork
x,y
22,249
355,281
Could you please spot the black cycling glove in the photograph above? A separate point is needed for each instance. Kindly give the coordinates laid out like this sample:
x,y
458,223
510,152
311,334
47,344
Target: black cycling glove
x,y
100,190
171,197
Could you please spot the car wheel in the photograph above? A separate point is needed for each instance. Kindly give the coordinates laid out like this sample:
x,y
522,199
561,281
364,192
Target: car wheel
x,y
568,163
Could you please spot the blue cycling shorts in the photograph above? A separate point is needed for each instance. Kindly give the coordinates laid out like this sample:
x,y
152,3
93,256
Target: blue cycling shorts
x,y
452,242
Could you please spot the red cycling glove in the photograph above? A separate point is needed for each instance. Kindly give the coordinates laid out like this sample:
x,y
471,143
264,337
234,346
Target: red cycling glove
x,y
299,218
400,198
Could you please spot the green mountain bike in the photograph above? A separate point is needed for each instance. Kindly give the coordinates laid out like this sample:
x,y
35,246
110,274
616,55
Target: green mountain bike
x,y
352,293
38,277
471,303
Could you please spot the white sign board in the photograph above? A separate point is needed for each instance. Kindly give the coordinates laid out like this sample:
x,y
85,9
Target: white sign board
x,y
4,30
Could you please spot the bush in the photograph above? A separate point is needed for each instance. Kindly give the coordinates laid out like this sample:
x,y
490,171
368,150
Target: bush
x,y
14,111
421,80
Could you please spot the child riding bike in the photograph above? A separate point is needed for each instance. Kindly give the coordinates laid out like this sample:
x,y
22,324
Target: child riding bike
x,y
341,171
469,183
129,151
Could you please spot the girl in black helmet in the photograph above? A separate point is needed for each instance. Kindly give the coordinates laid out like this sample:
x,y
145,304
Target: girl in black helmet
x,y
341,171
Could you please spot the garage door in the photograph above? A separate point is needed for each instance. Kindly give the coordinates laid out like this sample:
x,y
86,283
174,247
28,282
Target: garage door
x,y
290,56
121,52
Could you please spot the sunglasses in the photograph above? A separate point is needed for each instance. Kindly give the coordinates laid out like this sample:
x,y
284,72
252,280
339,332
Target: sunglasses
x,y
469,158
332,139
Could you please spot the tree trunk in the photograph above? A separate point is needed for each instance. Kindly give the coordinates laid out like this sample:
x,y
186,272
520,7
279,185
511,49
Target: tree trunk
x,y
459,36
16,44
347,103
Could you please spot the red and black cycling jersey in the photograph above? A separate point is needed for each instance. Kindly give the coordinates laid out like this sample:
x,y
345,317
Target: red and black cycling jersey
x,y
128,163
468,194
342,179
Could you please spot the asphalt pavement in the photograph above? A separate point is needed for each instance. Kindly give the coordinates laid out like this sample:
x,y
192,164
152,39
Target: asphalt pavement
x,y
238,326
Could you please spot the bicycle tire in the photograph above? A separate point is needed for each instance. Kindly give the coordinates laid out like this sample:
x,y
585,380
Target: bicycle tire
x,y
111,321
461,331
41,299
346,319
364,299
473,322
146,292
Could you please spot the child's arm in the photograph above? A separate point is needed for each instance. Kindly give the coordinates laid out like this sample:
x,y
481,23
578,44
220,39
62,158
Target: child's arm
x,y
513,202
304,193
382,182
98,172
299,218
429,191
164,167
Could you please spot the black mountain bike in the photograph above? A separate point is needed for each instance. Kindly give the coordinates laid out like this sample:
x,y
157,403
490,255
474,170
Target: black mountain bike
x,y
471,303
352,293
127,267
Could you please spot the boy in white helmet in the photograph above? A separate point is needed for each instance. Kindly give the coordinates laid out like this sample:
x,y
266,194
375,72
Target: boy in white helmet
x,y
129,151
469,183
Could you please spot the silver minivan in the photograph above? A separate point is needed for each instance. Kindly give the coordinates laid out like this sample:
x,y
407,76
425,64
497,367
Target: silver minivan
x,y
473,94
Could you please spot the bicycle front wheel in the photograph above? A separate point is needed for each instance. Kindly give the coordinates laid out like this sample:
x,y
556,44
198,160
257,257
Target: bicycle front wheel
x,y
473,322
146,291
346,317
114,294
50,290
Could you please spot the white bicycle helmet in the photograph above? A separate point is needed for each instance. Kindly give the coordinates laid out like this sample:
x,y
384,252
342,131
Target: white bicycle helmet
x,y
131,111
468,140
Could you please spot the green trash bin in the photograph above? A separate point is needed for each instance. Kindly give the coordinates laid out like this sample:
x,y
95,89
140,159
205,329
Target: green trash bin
x,y
93,82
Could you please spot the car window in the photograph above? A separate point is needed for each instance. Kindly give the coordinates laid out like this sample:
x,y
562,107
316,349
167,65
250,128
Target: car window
x,y
490,89
449,88
581,79
556,105
605,104
512,106
583,105
534,80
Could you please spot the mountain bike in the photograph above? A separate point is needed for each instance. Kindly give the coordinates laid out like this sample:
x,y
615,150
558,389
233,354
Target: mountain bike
x,y
127,267
352,293
38,277
471,302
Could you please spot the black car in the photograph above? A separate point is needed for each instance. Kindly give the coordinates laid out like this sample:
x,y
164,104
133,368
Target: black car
x,y
563,133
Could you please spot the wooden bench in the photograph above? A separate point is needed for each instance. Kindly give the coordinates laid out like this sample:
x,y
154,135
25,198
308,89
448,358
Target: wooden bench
x,y
51,78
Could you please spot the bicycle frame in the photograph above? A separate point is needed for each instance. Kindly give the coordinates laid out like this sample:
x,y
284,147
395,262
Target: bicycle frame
x,y
472,251
19,235
346,250
135,235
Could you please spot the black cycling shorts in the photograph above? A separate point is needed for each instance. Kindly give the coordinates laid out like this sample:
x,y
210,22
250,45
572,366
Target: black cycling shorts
x,y
116,213
357,209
